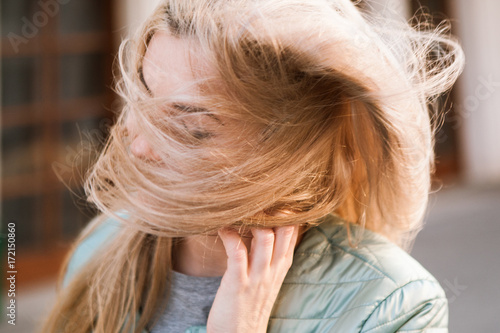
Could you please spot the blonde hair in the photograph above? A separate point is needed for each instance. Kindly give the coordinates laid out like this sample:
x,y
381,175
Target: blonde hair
x,y
334,106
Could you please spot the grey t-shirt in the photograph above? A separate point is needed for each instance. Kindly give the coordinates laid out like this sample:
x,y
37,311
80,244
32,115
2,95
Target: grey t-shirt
x,y
189,304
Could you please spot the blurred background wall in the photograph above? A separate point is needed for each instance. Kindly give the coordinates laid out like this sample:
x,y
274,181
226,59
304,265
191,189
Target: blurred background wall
x,y
57,105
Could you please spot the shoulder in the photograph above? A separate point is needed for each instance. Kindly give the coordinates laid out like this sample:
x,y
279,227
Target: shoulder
x,y
376,287
99,235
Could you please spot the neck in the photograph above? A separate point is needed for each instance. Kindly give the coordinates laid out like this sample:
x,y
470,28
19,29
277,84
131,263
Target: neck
x,y
202,255
205,255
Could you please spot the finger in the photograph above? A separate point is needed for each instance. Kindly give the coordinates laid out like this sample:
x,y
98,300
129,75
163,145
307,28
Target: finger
x,y
236,251
261,250
284,237
293,242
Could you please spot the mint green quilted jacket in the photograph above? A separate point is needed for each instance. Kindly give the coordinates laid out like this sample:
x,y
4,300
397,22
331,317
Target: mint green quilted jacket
x,y
332,287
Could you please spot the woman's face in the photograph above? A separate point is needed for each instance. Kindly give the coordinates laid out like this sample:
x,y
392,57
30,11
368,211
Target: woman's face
x,y
169,69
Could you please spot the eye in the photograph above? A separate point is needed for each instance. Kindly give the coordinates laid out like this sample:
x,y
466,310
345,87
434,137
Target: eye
x,y
199,129
198,121
200,135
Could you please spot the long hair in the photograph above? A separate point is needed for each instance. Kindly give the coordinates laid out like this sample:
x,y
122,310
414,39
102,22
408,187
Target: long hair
x,y
336,113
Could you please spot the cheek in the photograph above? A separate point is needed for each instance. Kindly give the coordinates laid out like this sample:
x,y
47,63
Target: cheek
x,y
129,124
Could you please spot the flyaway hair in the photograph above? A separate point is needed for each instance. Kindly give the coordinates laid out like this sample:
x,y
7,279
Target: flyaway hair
x,y
339,117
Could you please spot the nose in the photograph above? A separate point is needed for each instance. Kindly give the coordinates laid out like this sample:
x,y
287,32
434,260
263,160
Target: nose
x,y
139,146
141,149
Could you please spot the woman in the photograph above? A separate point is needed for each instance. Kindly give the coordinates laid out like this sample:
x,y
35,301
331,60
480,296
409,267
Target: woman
x,y
255,133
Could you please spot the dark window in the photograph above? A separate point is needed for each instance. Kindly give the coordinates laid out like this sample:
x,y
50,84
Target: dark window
x,y
56,95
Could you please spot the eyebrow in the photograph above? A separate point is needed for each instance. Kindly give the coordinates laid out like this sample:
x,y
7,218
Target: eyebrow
x,y
190,108
196,109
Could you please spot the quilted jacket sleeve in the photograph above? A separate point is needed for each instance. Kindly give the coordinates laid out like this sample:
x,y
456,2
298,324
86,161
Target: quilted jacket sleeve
x,y
88,247
418,306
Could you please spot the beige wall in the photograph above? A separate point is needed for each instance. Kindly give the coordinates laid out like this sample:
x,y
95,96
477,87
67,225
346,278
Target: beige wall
x,y
477,106
478,119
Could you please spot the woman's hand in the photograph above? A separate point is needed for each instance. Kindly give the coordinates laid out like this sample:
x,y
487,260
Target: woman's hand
x,y
252,281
